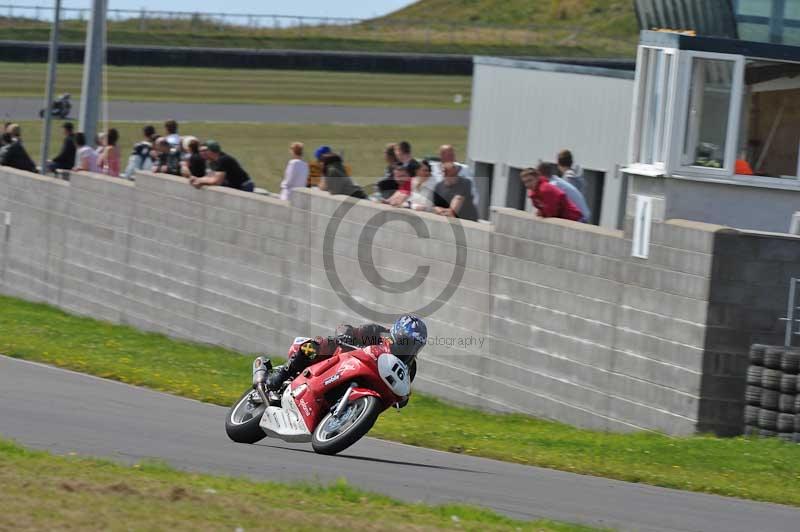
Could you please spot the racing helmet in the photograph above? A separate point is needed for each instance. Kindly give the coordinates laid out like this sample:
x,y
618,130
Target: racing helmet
x,y
409,335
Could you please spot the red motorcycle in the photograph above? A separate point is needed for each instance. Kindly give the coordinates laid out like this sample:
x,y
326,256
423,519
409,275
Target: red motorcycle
x,y
332,403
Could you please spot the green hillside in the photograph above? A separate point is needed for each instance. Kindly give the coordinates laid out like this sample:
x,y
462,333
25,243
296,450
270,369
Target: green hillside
x,y
585,28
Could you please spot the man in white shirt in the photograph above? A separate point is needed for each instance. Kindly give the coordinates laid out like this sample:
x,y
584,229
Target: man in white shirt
x,y
86,156
296,173
447,154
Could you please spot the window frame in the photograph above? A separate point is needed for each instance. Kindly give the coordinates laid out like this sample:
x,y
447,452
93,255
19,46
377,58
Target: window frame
x,y
681,111
662,127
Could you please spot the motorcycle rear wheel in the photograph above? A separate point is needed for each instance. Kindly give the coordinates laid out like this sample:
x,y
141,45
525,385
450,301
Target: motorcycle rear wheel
x,y
334,435
242,421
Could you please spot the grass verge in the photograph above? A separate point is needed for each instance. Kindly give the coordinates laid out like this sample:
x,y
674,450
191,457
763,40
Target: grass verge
x,y
253,86
263,148
764,470
41,490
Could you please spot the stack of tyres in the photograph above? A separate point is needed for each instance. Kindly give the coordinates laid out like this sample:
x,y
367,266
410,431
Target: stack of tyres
x,y
772,396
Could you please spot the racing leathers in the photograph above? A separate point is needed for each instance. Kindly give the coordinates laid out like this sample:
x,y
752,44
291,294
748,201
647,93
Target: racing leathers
x,y
320,348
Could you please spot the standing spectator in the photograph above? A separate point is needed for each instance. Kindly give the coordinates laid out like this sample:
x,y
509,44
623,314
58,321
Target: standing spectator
x,y
168,158
173,139
86,157
141,156
335,179
13,153
402,151
453,195
447,154
65,159
570,171
422,189
402,178
195,164
315,166
296,173
109,160
548,200
571,191
225,171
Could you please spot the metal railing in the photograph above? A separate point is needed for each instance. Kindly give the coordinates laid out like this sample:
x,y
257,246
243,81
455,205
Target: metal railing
x,y
791,313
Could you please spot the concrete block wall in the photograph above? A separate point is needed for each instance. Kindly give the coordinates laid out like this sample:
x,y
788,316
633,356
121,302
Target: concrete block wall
x,y
549,317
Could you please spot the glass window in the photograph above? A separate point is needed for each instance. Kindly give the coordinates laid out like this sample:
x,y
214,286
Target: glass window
x,y
710,95
657,67
760,8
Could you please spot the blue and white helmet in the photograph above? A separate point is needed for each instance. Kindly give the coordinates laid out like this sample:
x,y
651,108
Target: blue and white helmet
x,y
409,335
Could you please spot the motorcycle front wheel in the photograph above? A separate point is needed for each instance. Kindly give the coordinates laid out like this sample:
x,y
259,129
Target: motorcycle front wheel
x,y
334,434
242,422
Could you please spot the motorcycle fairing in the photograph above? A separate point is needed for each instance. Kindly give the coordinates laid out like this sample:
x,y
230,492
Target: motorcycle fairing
x,y
285,422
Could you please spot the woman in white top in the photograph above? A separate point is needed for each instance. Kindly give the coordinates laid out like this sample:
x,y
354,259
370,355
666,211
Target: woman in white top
x,y
86,157
421,198
296,173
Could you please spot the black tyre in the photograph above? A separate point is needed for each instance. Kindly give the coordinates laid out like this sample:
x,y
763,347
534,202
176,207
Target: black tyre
x,y
769,399
797,423
791,362
773,356
752,395
796,437
767,419
797,404
788,384
764,433
786,403
751,430
757,354
334,435
751,415
788,437
785,423
771,379
241,423
754,375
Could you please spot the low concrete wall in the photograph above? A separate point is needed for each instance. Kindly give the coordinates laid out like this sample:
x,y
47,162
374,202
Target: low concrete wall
x,y
563,322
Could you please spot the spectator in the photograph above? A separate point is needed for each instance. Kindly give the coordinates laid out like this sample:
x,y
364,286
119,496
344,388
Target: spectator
x,y
13,153
99,143
453,195
141,157
571,191
402,151
225,171
5,137
569,171
296,173
447,154
315,166
65,159
172,137
402,178
86,157
168,159
548,200
422,189
109,160
195,164
335,179
391,160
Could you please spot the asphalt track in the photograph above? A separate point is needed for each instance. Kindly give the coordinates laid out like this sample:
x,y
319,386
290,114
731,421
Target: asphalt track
x,y
28,109
61,411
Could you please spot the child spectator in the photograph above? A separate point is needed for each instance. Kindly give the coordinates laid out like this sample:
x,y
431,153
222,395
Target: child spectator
x,y
296,173
141,158
86,157
315,166
548,200
402,178
109,160
453,195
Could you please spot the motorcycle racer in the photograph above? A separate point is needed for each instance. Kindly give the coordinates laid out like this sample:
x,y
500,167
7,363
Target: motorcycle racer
x,y
405,340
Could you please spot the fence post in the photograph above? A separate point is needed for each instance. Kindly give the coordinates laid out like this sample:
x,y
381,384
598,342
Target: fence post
x,y
142,23
794,226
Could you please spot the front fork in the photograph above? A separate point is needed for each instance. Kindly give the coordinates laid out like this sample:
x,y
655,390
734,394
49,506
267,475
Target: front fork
x,y
261,368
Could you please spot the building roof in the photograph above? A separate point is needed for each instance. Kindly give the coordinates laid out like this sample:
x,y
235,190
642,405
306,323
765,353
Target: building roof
x,y
761,50
612,69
